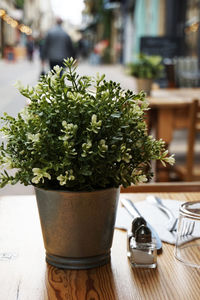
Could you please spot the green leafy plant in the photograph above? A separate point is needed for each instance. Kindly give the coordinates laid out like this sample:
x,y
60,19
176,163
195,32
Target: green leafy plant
x,y
19,4
74,138
149,67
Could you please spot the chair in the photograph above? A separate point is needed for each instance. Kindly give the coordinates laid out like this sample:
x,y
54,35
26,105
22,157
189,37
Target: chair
x,y
164,187
190,171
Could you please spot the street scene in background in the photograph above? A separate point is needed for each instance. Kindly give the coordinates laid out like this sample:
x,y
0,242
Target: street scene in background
x,y
146,45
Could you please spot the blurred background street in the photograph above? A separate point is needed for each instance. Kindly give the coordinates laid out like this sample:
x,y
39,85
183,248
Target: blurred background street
x,y
28,73
11,100
108,37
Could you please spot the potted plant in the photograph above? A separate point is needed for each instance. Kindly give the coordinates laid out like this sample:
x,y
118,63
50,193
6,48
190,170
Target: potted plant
x,y
77,146
145,70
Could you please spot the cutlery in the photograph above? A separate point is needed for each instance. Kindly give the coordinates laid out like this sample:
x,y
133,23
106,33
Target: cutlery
x,y
186,233
172,223
133,211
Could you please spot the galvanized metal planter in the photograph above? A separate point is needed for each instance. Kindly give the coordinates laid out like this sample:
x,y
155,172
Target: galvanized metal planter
x,y
144,84
77,227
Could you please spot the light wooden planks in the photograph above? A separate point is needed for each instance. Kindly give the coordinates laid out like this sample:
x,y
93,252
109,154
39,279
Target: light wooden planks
x,y
24,275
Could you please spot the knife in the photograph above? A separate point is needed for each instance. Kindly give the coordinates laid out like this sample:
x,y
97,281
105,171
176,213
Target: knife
x,y
134,212
172,223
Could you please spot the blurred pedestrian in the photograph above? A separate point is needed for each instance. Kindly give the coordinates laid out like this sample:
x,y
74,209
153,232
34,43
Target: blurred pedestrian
x,y
57,45
83,48
30,47
40,44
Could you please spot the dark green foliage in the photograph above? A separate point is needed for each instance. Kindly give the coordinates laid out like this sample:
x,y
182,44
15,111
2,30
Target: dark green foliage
x,y
149,67
19,4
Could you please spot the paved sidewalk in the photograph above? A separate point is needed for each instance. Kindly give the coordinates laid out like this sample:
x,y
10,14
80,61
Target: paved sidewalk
x,y
113,72
10,99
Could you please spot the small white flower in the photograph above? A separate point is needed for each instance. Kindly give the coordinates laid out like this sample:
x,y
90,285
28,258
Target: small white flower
x,y
39,175
53,79
102,146
18,85
95,126
49,74
86,147
33,137
67,177
62,179
126,157
38,88
69,130
30,88
6,162
136,172
142,178
57,69
64,124
170,160
25,114
70,95
122,93
94,119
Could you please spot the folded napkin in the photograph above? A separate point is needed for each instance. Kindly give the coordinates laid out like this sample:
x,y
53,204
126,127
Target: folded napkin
x,y
153,215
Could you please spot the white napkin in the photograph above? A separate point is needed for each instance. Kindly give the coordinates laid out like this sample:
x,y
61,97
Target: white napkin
x,y
153,215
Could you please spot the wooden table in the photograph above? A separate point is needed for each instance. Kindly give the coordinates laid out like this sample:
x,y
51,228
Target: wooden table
x,y
169,111
178,92
24,275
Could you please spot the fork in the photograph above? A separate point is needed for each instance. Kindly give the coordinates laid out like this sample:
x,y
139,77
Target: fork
x,y
186,233
187,229
172,223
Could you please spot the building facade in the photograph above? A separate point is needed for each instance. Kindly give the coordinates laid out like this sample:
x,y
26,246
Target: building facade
x,y
18,19
8,36
38,15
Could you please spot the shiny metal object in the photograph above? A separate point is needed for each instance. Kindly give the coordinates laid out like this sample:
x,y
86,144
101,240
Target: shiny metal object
x,y
172,223
133,211
77,227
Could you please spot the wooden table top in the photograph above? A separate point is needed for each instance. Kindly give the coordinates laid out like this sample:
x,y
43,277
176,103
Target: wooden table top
x,y
24,274
174,97
178,92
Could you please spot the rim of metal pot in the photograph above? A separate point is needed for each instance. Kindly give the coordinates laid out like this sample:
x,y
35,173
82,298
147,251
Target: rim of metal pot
x,y
68,191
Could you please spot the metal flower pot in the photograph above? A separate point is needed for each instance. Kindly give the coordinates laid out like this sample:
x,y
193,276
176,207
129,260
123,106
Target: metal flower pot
x,y
77,227
145,85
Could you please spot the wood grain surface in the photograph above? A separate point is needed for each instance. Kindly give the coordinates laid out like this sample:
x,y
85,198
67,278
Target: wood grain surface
x,y
24,274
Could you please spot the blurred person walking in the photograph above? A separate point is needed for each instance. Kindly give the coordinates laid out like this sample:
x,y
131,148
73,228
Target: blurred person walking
x,y
30,47
57,46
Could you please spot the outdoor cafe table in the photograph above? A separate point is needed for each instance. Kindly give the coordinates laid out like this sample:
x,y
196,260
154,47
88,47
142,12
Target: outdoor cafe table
x,y
24,274
169,111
